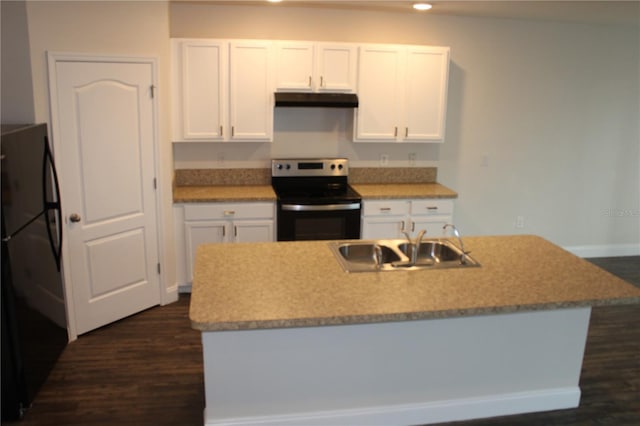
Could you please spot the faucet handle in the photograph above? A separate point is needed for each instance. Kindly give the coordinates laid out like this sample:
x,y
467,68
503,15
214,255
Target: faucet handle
x,y
377,255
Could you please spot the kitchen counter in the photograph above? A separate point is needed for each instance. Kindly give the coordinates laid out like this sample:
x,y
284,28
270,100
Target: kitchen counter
x,y
289,338
230,193
294,284
403,190
222,193
228,185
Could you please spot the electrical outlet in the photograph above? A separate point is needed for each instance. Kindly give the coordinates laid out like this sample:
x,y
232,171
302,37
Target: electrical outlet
x,y
520,222
384,159
412,159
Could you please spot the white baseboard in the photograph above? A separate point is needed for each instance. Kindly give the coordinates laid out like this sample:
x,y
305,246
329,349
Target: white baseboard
x,y
421,413
170,295
184,288
605,250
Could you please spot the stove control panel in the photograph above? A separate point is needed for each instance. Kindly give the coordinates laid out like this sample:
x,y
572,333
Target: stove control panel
x,y
310,167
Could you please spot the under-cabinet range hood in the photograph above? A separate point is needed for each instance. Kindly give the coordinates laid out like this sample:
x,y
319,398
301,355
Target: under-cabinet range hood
x,y
329,100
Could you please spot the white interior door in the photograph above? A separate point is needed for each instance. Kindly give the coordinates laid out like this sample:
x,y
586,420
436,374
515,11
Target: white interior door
x,y
103,121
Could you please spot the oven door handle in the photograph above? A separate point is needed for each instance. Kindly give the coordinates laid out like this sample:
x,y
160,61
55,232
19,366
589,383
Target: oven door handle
x,y
319,207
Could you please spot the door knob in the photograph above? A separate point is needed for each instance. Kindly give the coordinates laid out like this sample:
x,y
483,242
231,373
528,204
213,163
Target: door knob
x,y
74,217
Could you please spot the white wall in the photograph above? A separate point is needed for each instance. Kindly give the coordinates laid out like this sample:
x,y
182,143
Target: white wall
x,y
553,108
139,29
17,91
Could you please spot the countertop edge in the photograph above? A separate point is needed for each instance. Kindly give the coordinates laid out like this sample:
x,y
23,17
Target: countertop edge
x,y
194,194
404,316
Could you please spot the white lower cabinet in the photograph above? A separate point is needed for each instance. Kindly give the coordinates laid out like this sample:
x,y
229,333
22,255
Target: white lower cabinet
x,y
387,219
226,223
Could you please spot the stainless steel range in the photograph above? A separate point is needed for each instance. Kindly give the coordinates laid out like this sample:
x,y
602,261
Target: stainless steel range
x,y
315,200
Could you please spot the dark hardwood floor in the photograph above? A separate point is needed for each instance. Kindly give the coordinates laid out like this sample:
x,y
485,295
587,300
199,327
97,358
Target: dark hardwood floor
x,y
147,370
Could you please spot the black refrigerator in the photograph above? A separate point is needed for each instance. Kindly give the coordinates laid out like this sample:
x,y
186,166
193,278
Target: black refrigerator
x,y
34,320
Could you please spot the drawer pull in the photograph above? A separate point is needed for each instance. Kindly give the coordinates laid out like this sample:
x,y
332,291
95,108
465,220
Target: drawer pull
x,y
229,212
402,226
432,208
385,209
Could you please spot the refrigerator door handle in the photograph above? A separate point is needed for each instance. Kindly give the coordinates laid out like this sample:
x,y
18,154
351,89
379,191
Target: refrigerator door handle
x,y
52,205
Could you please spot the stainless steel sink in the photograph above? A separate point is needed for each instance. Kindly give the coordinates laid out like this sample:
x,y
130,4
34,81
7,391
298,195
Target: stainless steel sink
x,y
395,255
364,253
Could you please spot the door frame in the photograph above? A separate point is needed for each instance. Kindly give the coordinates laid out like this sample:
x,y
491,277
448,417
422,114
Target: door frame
x,y
53,58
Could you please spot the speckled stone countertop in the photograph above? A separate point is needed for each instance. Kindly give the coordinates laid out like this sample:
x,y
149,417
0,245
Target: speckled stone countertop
x,y
300,284
222,193
219,185
403,190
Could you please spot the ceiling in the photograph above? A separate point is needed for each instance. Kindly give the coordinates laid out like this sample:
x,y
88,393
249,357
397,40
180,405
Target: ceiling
x,y
593,12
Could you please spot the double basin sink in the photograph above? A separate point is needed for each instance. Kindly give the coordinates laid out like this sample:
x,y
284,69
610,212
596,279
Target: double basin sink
x,y
399,255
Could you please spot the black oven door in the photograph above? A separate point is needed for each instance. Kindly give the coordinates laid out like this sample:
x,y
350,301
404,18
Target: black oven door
x,y
298,222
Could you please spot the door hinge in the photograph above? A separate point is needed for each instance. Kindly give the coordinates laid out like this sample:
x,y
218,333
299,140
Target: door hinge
x,y
153,91
158,268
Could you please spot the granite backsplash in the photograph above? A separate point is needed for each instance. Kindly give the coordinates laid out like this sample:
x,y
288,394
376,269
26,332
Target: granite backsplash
x,y
361,175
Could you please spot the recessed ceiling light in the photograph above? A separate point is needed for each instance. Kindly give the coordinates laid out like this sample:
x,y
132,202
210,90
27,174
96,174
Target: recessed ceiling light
x,y
422,6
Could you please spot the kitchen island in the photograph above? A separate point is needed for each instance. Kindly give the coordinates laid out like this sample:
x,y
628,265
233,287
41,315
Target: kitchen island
x,y
290,338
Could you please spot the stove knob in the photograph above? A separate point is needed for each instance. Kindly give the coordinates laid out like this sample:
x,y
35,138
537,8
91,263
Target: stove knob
x,y
340,167
333,167
288,166
279,166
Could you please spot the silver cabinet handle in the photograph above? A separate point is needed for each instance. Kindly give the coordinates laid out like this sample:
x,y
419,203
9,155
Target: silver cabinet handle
x,y
402,225
309,81
75,217
395,132
321,81
406,132
385,209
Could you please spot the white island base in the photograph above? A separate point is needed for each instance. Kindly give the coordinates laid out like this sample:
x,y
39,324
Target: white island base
x,y
396,373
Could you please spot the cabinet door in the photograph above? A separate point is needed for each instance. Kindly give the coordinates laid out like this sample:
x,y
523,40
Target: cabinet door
x,y
253,231
425,101
204,232
294,66
251,91
432,224
386,227
202,79
336,68
379,94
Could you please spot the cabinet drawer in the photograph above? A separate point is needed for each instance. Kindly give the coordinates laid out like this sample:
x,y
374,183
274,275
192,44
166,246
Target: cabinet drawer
x,y
386,207
431,207
229,211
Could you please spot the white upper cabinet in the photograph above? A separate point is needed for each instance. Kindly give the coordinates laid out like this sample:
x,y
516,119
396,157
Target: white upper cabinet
x,y
315,67
223,90
200,90
251,91
379,93
402,92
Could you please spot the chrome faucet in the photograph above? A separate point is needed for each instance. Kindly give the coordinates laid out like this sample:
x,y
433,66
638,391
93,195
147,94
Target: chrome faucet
x,y
414,246
377,255
463,256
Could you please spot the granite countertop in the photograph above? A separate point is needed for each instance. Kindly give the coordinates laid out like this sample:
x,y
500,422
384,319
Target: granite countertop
x,y
221,193
373,191
215,185
299,284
